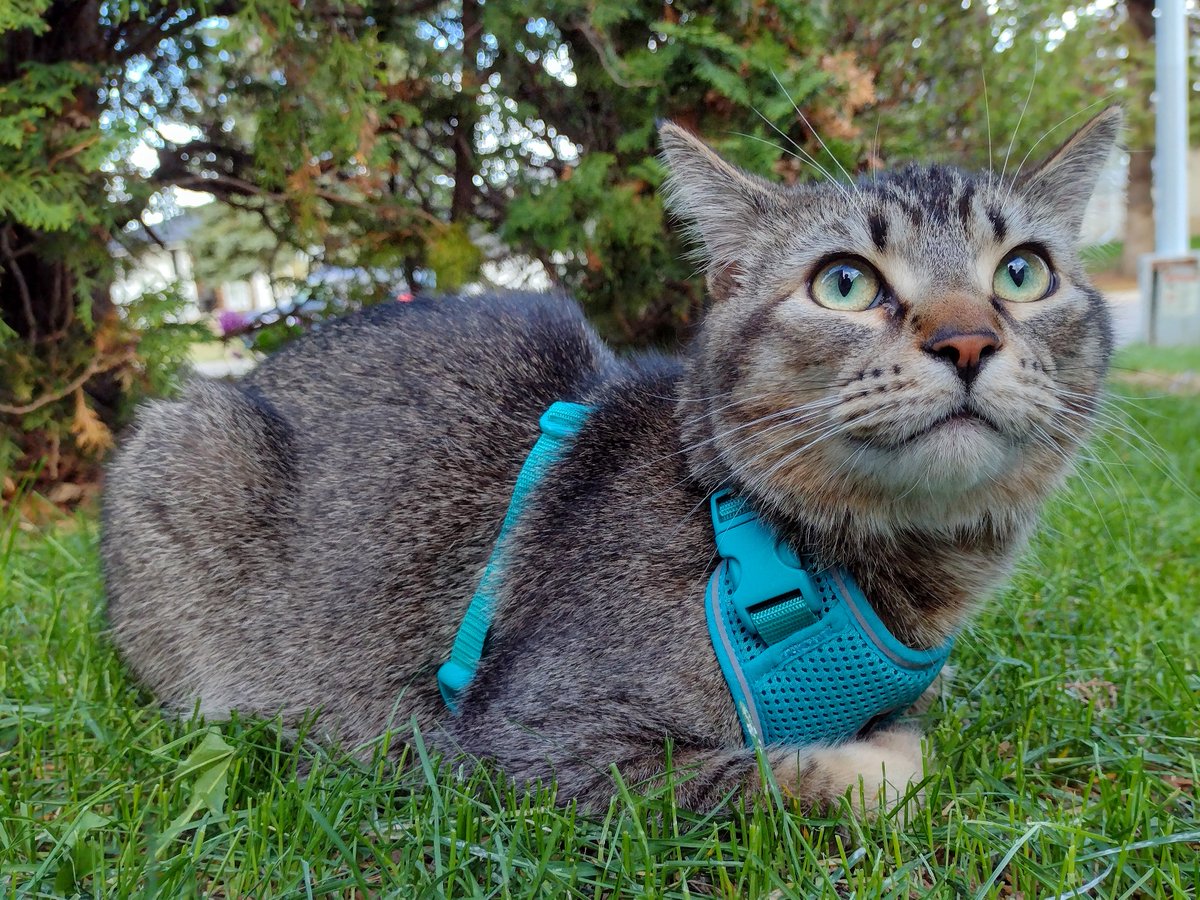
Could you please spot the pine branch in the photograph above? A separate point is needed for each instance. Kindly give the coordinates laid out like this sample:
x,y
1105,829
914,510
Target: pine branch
x,y
14,268
95,367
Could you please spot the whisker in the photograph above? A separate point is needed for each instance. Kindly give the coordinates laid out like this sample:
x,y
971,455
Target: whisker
x,y
793,412
1021,118
1135,441
806,158
816,134
987,112
829,432
1049,131
875,150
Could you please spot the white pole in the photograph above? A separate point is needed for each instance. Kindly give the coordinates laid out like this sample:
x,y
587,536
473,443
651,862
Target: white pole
x,y
1171,130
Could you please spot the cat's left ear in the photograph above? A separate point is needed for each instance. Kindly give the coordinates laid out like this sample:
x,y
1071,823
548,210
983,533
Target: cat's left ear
x,y
1062,185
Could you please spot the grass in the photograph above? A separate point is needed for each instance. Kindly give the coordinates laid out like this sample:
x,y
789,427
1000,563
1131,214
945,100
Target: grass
x,y
1104,257
1068,749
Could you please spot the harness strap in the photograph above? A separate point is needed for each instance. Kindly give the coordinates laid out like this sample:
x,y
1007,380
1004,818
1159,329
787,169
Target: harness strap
x,y
559,424
805,656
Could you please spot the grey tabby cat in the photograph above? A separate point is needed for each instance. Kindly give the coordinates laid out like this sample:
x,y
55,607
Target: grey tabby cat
x,y
885,372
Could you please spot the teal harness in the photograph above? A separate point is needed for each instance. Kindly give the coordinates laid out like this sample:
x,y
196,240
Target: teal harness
x,y
805,657
559,424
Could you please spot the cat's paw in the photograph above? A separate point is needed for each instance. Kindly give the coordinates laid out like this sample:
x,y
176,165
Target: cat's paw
x,y
876,773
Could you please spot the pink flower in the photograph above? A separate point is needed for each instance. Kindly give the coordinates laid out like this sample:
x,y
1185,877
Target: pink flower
x,y
229,320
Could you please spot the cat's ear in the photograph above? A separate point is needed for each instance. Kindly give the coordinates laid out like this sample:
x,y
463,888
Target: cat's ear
x,y
721,205
1062,185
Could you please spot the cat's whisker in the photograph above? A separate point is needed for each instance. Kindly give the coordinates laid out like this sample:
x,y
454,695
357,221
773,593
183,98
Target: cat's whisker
x,y
1087,481
1136,442
1138,401
696,507
803,155
794,411
829,433
815,403
816,424
826,434
847,461
987,112
1029,96
1115,420
875,150
1049,131
720,459
816,134
671,399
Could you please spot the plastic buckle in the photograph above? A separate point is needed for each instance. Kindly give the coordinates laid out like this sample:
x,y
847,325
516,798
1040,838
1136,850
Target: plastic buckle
x,y
760,571
452,681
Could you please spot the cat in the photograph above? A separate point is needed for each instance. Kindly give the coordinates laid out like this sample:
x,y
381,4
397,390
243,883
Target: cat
x,y
896,373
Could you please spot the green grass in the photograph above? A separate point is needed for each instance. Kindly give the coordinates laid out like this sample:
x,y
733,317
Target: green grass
x,y
1106,256
1068,750
1165,360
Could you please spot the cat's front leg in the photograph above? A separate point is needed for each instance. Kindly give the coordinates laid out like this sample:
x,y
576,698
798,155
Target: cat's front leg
x,y
878,771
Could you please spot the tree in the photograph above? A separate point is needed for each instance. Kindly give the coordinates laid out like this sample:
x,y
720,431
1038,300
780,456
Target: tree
x,y
413,141
80,84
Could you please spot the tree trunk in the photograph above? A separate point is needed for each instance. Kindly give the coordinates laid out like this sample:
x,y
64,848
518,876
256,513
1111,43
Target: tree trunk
x,y
467,115
1139,198
37,287
1139,211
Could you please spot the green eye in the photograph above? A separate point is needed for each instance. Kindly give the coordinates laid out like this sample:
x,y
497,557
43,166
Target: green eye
x,y
847,284
1022,276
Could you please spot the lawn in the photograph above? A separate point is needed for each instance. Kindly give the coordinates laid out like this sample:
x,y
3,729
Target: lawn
x,y
1068,747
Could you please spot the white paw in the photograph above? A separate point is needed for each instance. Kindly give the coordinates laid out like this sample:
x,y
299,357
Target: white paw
x,y
877,773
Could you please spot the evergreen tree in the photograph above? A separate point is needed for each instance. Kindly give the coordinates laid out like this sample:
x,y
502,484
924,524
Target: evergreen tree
x,y
414,141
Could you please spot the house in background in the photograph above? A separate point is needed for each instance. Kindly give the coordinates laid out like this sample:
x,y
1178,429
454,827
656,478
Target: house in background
x,y
227,268
178,251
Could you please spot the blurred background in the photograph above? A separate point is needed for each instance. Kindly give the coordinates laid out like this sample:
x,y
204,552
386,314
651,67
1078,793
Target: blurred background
x,y
189,185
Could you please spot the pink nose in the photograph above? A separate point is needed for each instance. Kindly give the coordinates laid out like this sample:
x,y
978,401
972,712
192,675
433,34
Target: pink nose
x,y
967,352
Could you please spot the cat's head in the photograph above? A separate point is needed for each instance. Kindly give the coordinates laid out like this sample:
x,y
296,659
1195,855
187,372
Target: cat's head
x,y
921,349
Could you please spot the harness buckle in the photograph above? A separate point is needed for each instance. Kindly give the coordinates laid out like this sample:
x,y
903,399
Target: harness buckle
x,y
772,593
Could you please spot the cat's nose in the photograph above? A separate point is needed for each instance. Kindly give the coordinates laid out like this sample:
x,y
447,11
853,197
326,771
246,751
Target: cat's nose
x,y
966,351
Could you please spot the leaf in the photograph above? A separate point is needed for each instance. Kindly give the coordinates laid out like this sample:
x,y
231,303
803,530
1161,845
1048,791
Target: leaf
x,y
87,822
1094,690
209,765
90,433
453,257
83,858
726,81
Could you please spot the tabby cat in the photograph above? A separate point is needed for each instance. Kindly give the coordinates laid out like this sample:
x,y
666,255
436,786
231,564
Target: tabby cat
x,y
896,373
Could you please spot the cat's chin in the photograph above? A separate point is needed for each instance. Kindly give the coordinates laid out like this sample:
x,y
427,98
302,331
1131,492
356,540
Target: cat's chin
x,y
954,456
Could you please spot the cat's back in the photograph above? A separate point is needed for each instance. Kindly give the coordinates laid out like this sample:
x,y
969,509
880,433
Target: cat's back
x,y
345,494
439,354
408,407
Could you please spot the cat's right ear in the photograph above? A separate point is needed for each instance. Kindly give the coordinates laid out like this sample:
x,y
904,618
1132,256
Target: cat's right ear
x,y
721,205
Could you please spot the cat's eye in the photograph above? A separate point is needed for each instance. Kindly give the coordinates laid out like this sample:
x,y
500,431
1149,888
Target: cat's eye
x,y
847,284
1022,277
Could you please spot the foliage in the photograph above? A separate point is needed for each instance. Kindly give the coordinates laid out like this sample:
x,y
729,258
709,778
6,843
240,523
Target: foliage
x,y
1066,744
419,144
